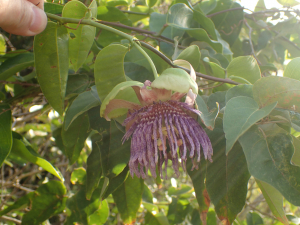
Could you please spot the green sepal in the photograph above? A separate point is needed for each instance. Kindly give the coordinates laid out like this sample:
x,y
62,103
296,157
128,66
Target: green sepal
x,y
175,79
115,91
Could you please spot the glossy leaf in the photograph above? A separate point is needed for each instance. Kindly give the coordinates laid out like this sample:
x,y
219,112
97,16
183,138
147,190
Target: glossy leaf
x,y
114,157
81,36
78,176
19,203
268,159
292,69
53,8
239,90
178,210
116,182
192,55
24,150
5,132
15,64
109,69
274,200
82,103
288,3
284,90
101,215
180,16
227,177
80,208
157,219
93,170
74,138
198,177
50,55
240,114
205,22
225,21
128,198
77,84
207,6
49,199
254,219
244,69
207,117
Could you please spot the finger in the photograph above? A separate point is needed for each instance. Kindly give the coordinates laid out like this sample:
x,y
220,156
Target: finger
x,y
22,17
38,3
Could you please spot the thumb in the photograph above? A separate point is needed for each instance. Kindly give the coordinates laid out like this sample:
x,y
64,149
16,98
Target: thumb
x,y
22,17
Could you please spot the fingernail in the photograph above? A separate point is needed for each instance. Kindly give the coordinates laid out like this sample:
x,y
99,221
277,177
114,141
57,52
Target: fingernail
x,y
38,20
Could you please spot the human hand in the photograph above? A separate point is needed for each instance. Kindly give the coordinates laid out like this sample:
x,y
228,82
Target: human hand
x,y
22,17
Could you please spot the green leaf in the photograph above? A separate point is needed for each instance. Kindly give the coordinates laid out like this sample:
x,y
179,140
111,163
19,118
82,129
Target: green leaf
x,y
192,55
198,177
268,159
180,16
74,138
151,3
77,84
110,13
288,3
82,103
240,114
128,198
284,90
224,22
49,200
15,64
244,69
274,200
81,36
207,6
80,208
115,157
207,117
53,8
5,132
2,45
217,97
109,69
157,219
239,90
19,203
227,177
178,210
116,182
50,55
292,69
254,219
22,149
101,215
205,22
78,176
94,170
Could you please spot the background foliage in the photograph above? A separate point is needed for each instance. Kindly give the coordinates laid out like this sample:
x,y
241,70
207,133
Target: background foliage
x,y
64,164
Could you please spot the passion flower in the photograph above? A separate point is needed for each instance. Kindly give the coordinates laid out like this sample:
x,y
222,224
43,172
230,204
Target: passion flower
x,y
161,127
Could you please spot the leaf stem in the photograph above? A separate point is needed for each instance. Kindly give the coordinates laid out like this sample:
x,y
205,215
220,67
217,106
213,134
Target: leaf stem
x,y
90,22
137,45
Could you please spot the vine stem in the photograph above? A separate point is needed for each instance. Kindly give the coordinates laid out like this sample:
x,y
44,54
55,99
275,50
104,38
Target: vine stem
x,y
93,23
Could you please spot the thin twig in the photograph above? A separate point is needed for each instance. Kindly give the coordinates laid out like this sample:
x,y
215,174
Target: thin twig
x,y
20,83
167,60
250,42
16,221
